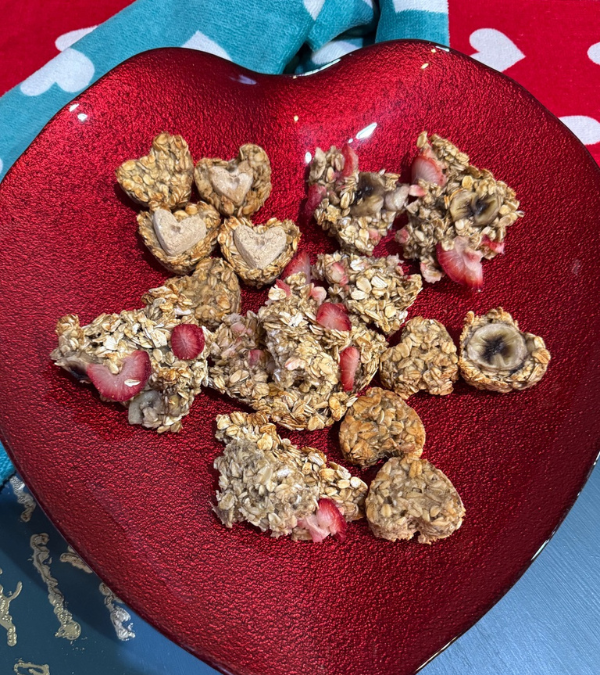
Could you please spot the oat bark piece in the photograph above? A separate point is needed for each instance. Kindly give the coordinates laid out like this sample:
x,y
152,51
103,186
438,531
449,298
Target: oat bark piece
x,y
272,484
496,355
379,424
258,253
200,220
211,293
424,359
375,289
161,179
410,495
173,384
471,204
238,187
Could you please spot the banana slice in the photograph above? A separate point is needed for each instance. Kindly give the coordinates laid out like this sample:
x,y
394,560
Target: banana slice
x,y
496,355
481,209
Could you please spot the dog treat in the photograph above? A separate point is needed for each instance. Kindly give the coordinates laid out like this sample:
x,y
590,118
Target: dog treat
x,y
161,179
258,253
180,240
277,487
410,495
209,295
461,214
356,207
379,424
375,289
496,355
238,187
131,359
424,359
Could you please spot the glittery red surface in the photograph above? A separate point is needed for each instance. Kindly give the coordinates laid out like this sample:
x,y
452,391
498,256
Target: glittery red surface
x,y
137,505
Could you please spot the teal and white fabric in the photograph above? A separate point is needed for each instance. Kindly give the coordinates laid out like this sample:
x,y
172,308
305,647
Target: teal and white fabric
x,y
269,36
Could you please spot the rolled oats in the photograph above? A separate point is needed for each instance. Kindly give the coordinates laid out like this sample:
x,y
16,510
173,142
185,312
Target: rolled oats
x,y
258,253
410,495
272,484
496,355
202,219
471,204
425,358
210,294
375,289
110,338
163,178
358,208
238,187
380,424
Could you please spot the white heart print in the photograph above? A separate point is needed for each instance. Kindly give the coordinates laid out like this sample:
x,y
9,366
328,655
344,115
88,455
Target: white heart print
x,y
495,49
71,70
587,129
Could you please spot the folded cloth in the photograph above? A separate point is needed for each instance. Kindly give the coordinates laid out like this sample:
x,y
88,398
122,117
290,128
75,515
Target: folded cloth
x,y
264,35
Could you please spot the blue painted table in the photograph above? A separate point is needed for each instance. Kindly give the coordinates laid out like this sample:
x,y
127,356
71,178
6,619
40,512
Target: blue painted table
x,y
548,624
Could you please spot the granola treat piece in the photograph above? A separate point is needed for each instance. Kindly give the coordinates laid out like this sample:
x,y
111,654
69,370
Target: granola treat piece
x,y
425,358
379,424
376,289
410,495
211,293
496,355
128,357
161,179
277,487
238,187
180,240
460,216
356,207
258,253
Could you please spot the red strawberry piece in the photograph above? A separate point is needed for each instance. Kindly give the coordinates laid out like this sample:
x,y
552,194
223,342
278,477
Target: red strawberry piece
x,y
495,246
300,263
428,169
337,272
416,191
462,264
350,160
349,361
283,286
374,236
402,236
318,293
333,316
238,328
135,372
316,194
255,356
326,520
187,341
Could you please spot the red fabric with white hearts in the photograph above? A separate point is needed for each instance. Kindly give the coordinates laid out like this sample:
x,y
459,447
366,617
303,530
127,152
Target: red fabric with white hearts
x,y
552,47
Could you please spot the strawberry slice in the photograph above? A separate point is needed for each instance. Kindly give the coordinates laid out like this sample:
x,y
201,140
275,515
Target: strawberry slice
x,y
318,293
316,194
135,372
349,361
416,191
402,236
326,520
374,236
300,263
255,356
462,264
350,160
333,316
495,246
428,169
284,287
337,272
187,341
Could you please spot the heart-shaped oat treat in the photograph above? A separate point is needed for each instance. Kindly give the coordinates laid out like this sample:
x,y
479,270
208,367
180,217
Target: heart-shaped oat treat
x,y
163,178
239,187
258,253
179,240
